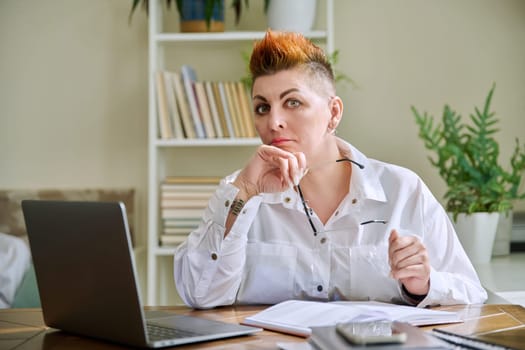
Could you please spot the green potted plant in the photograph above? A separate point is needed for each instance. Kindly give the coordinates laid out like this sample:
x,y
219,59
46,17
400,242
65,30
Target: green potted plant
x,y
195,15
200,15
466,155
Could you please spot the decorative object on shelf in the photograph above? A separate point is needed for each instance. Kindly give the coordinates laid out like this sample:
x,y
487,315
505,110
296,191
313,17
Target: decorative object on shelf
x,y
195,15
237,6
292,15
201,15
467,159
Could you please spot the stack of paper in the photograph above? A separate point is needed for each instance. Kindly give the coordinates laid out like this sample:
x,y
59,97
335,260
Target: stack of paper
x,y
297,317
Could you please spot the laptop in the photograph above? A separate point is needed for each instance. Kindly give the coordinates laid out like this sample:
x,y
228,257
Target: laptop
x,y
86,277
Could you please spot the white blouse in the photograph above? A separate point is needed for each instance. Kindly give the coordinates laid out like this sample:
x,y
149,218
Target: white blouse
x,y
271,253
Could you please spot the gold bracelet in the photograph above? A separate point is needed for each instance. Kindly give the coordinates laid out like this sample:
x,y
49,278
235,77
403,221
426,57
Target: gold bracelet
x,y
236,206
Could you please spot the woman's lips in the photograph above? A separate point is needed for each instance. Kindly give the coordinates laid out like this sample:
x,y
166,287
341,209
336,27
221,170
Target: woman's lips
x,y
279,141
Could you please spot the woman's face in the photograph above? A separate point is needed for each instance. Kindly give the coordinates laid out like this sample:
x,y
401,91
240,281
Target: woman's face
x,y
291,115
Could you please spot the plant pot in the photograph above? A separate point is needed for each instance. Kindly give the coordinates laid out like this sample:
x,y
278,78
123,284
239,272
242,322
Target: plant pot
x,y
292,15
476,233
503,235
193,17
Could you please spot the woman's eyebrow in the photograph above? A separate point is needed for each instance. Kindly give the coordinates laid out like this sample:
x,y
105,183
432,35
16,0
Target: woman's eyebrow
x,y
259,97
282,95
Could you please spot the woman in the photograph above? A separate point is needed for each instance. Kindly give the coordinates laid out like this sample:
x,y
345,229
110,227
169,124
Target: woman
x,y
309,216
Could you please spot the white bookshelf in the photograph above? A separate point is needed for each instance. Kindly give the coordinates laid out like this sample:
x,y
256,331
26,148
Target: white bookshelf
x,y
159,258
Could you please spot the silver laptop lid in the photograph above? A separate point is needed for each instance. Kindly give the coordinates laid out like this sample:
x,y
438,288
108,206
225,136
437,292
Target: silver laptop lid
x,y
85,269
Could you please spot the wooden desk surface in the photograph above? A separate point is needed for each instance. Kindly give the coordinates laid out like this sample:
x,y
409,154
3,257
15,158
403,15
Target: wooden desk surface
x,y
24,329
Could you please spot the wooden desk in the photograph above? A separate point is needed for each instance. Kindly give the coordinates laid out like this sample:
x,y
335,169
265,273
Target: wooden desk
x,y
24,329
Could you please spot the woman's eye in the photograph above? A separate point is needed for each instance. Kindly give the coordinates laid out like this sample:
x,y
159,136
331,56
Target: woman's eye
x,y
261,108
293,103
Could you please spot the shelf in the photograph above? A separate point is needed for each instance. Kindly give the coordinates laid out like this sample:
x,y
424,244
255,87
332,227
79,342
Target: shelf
x,y
208,142
224,36
164,49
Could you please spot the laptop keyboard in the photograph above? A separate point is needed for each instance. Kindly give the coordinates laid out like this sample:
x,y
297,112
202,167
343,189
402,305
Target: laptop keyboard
x,y
159,333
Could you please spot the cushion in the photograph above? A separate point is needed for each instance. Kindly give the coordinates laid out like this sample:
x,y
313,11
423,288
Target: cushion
x,y
14,262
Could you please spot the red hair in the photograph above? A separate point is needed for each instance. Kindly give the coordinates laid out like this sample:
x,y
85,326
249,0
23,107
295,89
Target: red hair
x,y
279,51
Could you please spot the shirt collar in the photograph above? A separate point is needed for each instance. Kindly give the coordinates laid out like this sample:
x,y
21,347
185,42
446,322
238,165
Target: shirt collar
x,y
365,181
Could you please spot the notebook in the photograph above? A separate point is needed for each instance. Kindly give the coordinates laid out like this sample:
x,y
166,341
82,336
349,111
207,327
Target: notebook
x,y
86,277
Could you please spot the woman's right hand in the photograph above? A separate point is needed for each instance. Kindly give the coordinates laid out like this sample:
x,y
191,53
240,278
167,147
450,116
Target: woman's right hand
x,y
270,170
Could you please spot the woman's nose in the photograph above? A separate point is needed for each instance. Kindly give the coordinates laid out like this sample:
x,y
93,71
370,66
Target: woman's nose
x,y
276,120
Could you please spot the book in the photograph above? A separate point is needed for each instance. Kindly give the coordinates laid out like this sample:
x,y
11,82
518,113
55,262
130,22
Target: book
x,y
188,188
182,103
176,213
173,110
166,202
213,109
245,108
189,77
172,239
169,194
204,109
226,109
220,108
232,107
192,180
162,107
297,317
178,230
181,222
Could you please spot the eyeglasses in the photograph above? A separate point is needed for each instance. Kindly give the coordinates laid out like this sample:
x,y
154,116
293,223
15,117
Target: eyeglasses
x,y
309,212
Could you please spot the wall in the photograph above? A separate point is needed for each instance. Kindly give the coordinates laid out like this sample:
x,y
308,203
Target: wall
x,y
72,95
73,86
428,54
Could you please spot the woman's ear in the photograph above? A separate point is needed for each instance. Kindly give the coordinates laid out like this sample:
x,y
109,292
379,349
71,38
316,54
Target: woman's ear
x,y
336,111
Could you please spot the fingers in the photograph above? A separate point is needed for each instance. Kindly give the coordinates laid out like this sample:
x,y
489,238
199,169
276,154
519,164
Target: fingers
x,y
300,167
284,166
409,262
291,165
274,169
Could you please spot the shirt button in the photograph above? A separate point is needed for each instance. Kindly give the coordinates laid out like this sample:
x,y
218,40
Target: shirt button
x,y
354,201
213,256
227,203
323,240
287,200
336,213
319,288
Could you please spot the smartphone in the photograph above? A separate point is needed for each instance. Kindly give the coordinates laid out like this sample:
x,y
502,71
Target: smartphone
x,y
373,332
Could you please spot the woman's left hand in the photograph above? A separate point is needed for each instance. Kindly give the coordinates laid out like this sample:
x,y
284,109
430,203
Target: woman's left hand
x,y
409,262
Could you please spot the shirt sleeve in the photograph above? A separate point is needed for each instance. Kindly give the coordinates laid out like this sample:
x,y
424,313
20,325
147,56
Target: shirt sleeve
x,y
453,279
208,267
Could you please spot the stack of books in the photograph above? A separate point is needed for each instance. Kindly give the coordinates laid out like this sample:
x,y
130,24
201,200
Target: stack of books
x,y
183,200
188,108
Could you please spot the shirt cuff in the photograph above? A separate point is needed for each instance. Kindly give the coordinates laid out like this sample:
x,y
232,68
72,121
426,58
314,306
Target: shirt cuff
x,y
412,299
222,201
